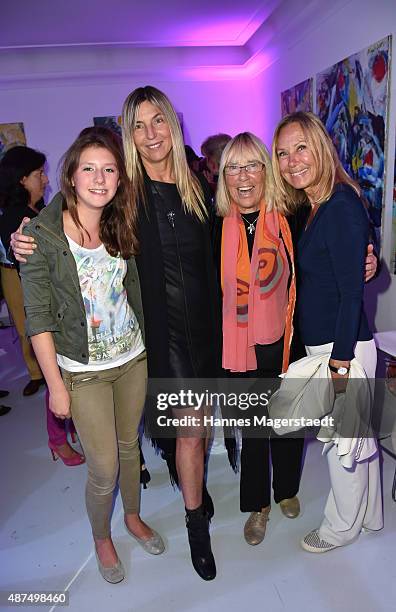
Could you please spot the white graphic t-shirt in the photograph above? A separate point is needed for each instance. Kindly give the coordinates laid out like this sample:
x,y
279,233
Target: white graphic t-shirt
x,y
114,336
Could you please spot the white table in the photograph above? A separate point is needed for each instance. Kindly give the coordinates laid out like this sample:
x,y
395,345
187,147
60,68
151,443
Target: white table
x,y
386,342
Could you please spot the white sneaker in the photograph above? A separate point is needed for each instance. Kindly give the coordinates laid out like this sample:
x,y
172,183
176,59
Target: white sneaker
x,y
314,544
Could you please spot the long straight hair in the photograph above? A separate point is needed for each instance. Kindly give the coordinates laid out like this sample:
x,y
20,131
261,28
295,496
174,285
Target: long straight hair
x,y
329,170
117,223
187,183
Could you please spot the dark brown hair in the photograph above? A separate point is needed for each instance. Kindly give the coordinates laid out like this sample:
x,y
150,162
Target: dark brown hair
x,y
16,163
118,220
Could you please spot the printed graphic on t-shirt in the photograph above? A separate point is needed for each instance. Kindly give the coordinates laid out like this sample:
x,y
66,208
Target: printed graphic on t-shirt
x,y
112,326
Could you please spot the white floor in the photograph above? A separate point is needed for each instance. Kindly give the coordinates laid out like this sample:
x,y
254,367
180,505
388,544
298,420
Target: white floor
x,y
46,544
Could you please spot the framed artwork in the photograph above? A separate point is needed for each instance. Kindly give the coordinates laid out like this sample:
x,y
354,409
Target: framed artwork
x,y
298,98
114,122
352,99
11,134
110,121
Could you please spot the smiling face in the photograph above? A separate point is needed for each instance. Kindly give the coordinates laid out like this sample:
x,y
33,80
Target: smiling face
x,y
296,160
35,183
96,178
246,188
151,134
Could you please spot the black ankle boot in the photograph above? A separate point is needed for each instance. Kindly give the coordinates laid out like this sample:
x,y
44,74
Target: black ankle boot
x,y
145,477
197,523
207,502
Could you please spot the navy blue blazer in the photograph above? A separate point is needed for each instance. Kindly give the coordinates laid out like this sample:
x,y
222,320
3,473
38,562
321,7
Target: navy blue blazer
x,y
331,260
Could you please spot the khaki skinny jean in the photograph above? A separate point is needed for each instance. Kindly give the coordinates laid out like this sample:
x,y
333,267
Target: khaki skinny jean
x,y
106,407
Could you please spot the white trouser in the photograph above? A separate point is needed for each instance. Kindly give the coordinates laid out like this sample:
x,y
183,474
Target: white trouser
x,y
355,499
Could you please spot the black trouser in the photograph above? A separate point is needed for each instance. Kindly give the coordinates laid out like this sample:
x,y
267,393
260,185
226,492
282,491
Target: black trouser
x,y
255,487
258,453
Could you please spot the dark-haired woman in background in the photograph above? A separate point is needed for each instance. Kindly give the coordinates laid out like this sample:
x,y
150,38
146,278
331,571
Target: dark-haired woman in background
x,y
22,185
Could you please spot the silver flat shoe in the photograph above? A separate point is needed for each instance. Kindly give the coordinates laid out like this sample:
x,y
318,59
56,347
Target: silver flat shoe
x,y
154,545
112,574
255,526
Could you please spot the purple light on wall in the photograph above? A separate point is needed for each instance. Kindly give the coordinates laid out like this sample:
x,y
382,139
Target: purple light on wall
x,y
220,32
249,70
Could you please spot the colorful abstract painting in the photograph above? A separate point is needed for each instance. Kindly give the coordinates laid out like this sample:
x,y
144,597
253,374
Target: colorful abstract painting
x,y
298,98
352,101
110,121
114,122
11,134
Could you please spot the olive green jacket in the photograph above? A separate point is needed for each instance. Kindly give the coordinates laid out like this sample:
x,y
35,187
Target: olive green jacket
x,y
51,289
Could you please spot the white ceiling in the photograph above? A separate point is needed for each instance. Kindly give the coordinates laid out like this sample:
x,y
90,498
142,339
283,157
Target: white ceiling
x,y
43,40
141,23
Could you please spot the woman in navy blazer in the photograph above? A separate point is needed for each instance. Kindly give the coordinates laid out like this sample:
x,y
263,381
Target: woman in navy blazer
x,y
330,260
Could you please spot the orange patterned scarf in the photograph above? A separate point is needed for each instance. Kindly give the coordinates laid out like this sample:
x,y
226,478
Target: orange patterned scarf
x,y
257,308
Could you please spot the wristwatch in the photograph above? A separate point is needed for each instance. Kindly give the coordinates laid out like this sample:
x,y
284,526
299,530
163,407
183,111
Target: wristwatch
x,y
342,370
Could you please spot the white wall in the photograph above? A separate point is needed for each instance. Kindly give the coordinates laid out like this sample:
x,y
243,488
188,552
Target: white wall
x,y
53,115
346,31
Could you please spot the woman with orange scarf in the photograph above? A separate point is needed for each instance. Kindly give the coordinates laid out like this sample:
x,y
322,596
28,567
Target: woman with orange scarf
x,y
254,251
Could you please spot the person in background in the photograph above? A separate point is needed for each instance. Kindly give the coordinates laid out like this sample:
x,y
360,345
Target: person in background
x,y
192,158
84,316
22,185
3,409
212,148
330,266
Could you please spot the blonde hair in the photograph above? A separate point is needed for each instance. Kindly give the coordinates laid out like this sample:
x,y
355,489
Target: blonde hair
x,y
243,143
187,183
329,170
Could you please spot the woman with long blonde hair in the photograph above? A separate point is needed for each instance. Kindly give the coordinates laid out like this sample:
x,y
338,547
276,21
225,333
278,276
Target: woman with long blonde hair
x,y
330,264
178,284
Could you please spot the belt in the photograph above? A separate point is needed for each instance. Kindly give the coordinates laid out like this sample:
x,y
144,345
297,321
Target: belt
x,y
7,265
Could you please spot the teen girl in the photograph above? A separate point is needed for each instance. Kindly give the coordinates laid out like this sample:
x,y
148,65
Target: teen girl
x,y
84,317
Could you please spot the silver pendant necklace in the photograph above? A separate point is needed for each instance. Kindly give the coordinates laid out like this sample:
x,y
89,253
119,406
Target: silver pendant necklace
x,y
250,225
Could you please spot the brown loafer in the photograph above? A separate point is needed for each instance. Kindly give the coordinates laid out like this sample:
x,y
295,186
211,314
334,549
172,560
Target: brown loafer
x,y
33,386
255,526
290,507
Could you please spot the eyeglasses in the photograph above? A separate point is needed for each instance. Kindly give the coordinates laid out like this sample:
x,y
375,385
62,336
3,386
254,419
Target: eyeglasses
x,y
252,168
